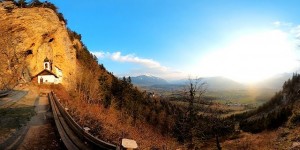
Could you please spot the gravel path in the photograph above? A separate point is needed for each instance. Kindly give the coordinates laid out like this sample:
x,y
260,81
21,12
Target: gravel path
x,y
12,98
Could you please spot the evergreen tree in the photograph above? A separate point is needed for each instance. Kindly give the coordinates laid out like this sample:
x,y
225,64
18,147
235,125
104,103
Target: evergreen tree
x,y
36,3
22,3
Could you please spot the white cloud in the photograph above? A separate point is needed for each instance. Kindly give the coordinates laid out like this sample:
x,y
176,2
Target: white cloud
x,y
276,23
147,66
282,24
99,55
149,63
131,58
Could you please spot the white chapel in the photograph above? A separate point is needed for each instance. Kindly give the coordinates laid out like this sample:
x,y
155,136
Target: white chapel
x,y
46,76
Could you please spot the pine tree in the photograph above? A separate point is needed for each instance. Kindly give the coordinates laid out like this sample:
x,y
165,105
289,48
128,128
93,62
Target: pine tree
x,y
22,3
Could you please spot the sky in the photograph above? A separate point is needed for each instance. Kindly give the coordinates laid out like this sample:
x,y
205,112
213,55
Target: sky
x,y
244,40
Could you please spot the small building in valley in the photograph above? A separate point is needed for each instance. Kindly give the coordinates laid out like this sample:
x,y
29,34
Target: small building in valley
x,y
46,76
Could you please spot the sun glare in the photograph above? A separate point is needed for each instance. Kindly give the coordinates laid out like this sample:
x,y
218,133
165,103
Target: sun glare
x,y
252,58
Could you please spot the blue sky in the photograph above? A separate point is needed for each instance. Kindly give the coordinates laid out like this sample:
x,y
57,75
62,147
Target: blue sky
x,y
239,39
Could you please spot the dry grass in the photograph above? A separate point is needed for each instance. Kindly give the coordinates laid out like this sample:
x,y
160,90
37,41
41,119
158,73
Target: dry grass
x,y
248,141
111,124
282,138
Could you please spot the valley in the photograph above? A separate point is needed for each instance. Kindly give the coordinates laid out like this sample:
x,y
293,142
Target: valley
x,y
222,93
242,102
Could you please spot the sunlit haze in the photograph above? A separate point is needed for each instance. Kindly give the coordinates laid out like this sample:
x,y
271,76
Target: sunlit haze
x,y
252,57
246,41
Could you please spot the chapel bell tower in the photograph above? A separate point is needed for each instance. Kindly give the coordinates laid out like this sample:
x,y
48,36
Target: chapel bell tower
x,y
47,64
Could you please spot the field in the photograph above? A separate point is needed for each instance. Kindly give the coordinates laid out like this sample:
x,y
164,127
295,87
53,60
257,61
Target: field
x,y
249,96
226,102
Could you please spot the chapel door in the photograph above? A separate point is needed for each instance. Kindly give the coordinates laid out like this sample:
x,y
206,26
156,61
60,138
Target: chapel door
x,y
41,80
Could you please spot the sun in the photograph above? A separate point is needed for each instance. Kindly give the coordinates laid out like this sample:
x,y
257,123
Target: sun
x,y
252,58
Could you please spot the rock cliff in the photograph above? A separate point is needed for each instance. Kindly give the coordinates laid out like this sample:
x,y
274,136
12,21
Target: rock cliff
x,y
38,33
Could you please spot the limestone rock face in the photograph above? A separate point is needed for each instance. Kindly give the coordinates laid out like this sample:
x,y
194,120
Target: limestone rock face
x,y
39,33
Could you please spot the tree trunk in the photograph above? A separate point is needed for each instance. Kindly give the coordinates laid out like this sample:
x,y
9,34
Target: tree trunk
x,y
218,143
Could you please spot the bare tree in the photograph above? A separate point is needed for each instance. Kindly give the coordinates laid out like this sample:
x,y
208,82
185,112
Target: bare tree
x,y
187,118
195,90
197,120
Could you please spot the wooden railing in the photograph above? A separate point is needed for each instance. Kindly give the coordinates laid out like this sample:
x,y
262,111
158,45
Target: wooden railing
x,y
72,134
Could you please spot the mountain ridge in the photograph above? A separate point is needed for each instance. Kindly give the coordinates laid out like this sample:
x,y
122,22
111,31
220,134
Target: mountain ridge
x,y
146,80
213,83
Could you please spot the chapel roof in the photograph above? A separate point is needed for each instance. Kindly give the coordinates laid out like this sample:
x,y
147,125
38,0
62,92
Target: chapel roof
x,y
45,72
46,59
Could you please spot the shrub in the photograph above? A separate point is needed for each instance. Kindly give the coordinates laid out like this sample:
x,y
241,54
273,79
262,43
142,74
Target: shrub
x,y
295,119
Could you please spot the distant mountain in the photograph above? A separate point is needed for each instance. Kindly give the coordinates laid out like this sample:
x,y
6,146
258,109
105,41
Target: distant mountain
x,y
221,83
275,82
213,83
145,80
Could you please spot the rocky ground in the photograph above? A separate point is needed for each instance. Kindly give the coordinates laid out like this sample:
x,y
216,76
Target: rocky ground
x,y
26,120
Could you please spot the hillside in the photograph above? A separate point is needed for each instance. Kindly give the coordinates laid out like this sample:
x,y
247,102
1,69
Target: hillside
x,y
282,108
274,125
35,34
